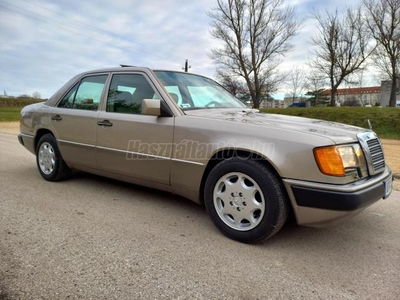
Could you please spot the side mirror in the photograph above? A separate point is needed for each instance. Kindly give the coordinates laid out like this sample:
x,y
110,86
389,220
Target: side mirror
x,y
155,107
151,107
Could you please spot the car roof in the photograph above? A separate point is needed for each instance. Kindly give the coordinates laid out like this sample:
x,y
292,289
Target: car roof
x,y
126,68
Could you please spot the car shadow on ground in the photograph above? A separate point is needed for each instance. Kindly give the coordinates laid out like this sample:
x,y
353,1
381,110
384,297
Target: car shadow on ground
x,y
321,239
133,189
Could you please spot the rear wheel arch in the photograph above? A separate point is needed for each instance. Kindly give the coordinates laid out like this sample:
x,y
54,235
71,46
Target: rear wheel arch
x,y
41,132
49,160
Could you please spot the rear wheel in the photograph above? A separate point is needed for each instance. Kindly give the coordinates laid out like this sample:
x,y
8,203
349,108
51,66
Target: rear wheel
x,y
245,200
49,161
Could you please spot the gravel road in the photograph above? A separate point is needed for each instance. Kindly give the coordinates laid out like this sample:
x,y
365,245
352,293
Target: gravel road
x,y
95,238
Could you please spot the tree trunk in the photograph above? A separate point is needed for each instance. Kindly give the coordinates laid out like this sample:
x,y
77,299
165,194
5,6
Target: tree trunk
x,y
333,100
256,102
255,99
392,101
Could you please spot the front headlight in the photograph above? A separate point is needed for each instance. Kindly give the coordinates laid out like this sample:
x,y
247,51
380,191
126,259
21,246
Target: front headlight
x,y
342,160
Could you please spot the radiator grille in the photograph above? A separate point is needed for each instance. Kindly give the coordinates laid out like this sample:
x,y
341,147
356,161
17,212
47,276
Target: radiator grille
x,y
376,152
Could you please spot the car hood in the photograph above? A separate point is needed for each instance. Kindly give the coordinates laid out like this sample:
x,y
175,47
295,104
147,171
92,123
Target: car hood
x,y
337,132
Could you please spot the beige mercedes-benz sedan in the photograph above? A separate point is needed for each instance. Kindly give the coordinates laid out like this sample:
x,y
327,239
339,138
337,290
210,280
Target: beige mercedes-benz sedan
x,y
185,134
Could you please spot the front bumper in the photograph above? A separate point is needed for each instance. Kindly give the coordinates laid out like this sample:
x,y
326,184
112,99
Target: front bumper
x,y
323,205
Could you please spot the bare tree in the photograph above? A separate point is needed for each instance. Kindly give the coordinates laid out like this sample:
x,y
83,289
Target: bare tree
x,y
233,85
384,23
315,84
296,82
36,95
342,46
254,34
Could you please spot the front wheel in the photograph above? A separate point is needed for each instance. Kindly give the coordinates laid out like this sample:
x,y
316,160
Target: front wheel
x,y
49,161
245,200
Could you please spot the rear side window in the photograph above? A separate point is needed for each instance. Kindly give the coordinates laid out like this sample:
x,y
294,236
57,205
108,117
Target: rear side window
x,y
85,95
68,100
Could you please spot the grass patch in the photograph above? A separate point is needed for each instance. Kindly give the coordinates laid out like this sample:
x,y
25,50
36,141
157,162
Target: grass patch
x,y
9,114
385,121
10,108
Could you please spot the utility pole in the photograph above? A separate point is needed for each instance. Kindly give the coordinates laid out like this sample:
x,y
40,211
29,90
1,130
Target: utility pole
x,y
187,67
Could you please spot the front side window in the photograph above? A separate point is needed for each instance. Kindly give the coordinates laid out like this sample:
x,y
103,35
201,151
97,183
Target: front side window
x,y
85,95
175,94
127,92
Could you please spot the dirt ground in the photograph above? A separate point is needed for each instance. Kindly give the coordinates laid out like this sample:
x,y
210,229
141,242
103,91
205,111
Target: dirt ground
x,y
392,153
391,148
9,127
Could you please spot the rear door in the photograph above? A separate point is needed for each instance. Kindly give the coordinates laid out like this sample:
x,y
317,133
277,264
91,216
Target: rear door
x,y
74,121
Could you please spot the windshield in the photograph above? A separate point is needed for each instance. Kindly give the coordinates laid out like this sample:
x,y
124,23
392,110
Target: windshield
x,y
196,92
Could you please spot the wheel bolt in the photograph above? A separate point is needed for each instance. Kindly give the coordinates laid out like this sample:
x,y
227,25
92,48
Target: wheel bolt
x,y
231,203
232,194
241,194
238,209
244,203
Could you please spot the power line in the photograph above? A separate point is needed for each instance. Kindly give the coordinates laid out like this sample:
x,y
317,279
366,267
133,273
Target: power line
x,y
92,35
93,27
86,24
72,19
50,21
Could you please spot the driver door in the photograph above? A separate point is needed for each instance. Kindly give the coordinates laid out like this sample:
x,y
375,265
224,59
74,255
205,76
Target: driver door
x,y
129,143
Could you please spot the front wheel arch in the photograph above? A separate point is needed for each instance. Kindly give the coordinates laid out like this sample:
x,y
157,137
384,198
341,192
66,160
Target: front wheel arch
x,y
227,154
275,203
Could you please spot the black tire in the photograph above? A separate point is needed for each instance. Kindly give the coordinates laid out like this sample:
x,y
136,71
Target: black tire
x,y
50,163
268,210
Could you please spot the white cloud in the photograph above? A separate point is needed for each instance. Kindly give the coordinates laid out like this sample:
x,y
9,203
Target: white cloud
x,y
44,43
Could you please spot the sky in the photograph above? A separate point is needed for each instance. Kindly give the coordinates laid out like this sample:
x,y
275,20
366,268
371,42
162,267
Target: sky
x,y
44,43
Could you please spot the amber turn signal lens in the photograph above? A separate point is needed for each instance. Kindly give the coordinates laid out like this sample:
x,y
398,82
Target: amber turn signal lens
x,y
329,161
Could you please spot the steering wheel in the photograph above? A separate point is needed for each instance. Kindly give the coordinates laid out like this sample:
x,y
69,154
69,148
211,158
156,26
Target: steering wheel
x,y
211,103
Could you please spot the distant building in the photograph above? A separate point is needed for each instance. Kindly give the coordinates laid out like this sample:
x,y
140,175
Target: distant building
x,y
386,87
273,103
357,96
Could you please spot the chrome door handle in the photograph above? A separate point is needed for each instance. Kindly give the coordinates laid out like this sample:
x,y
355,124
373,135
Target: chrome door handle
x,y
106,123
56,118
